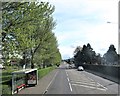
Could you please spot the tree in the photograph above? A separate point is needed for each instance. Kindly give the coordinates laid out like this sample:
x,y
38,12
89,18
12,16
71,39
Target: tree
x,y
27,27
80,57
49,52
111,55
87,56
98,59
78,48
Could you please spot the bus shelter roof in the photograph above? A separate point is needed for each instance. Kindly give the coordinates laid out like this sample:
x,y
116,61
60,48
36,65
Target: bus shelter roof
x,y
24,71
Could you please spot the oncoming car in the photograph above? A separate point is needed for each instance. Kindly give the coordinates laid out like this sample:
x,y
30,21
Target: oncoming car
x,y
80,68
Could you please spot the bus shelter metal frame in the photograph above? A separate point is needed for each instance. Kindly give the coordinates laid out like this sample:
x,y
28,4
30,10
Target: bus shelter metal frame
x,y
27,81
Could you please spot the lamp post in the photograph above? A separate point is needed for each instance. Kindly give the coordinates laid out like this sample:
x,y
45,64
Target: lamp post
x,y
118,34
119,41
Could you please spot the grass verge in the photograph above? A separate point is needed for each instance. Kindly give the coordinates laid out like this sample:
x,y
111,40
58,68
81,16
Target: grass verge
x,y
6,76
45,71
6,89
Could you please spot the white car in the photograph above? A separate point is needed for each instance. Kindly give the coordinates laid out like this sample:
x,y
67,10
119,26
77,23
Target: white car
x,y
80,68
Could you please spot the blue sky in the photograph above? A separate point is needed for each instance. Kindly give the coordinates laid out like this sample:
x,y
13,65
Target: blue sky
x,y
85,21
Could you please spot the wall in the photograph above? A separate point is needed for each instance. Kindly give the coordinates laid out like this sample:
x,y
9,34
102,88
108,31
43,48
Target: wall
x,y
108,72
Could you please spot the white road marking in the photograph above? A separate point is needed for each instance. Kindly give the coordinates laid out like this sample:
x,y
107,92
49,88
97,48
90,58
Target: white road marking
x,y
90,78
88,83
102,86
89,87
70,86
98,84
68,79
67,74
50,82
69,82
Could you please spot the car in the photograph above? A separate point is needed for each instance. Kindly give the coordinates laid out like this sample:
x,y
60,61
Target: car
x,y
70,66
80,68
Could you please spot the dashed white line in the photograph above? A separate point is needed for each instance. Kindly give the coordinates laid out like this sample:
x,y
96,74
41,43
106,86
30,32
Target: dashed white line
x,y
70,86
67,74
69,82
68,79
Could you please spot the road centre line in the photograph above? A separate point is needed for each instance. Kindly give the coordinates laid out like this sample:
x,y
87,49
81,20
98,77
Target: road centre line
x,y
68,79
50,82
69,82
66,73
70,86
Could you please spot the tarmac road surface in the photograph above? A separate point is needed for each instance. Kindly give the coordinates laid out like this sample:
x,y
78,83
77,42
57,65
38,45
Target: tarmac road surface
x,y
71,81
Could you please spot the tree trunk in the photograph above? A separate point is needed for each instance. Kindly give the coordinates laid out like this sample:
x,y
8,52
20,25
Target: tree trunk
x,y
32,64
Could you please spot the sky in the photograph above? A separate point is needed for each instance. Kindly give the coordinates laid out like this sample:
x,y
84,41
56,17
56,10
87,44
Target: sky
x,y
85,21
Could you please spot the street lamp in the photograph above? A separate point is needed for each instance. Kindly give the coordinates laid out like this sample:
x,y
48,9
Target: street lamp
x,y
119,38
118,35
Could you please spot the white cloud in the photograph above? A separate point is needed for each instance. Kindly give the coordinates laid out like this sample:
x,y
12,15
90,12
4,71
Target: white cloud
x,y
103,35
85,21
67,51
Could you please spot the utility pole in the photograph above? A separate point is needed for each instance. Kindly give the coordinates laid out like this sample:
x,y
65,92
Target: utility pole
x,y
119,28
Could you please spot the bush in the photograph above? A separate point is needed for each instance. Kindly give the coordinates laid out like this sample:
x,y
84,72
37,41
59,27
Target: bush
x,y
6,78
6,89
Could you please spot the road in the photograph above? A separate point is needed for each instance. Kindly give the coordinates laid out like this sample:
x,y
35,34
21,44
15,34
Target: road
x,y
71,81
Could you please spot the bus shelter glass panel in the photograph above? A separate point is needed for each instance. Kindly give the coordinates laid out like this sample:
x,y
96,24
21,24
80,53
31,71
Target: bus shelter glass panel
x,y
31,78
26,77
17,80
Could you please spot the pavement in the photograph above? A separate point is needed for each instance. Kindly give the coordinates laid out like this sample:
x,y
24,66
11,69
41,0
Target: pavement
x,y
42,85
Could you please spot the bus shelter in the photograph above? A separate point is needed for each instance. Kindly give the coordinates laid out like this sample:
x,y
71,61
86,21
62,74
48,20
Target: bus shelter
x,y
24,78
